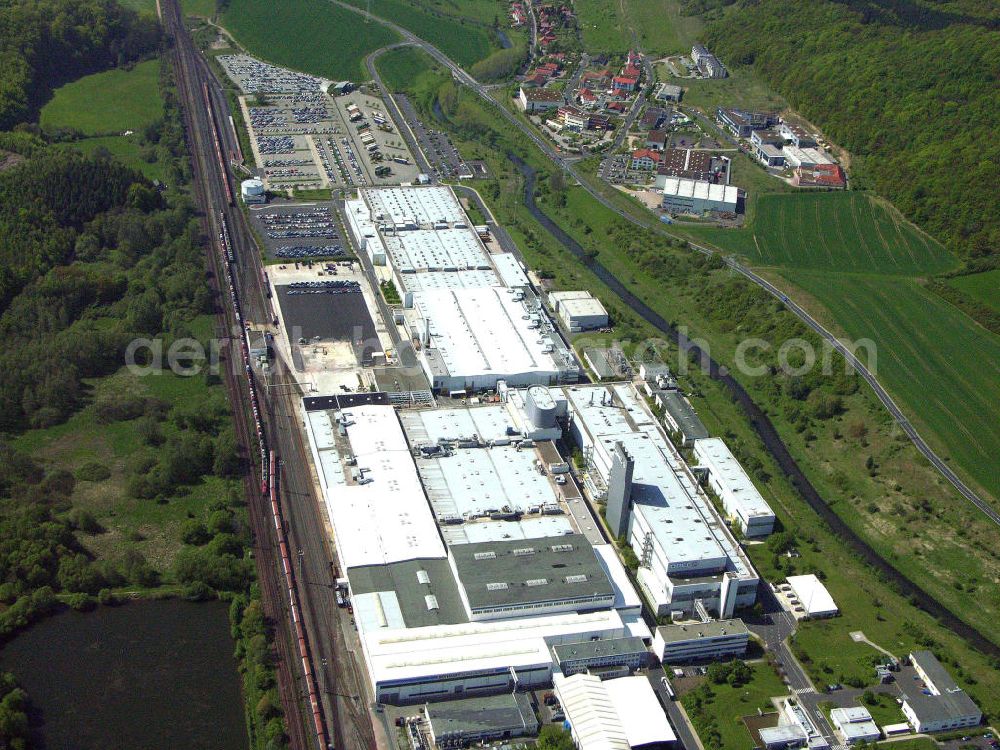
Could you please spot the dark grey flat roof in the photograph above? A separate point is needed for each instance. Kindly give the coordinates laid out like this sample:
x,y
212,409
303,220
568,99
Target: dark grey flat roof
x,y
684,415
599,649
494,713
687,631
524,571
952,702
402,578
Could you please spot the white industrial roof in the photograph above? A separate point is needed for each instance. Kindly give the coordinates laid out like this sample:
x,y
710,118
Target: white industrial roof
x,y
583,308
473,481
431,280
812,594
626,597
420,205
396,655
700,189
534,527
714,454
807,156
386,519
686,528
484,332
436,250
509,267
615,714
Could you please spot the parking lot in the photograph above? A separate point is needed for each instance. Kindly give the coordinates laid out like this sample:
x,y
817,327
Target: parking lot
x,y
303,138
300,232
436,145
372,152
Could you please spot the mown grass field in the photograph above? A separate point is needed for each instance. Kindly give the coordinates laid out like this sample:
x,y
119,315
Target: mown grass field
x,y
463,41
983,287
108,102
843,231
312,36
204,8
140,6
944,369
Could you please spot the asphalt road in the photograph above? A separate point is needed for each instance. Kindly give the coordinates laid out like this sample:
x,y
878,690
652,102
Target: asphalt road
x,y
562,162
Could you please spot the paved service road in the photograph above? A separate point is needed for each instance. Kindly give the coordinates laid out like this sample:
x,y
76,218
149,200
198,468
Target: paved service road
x,y
678,720
461,76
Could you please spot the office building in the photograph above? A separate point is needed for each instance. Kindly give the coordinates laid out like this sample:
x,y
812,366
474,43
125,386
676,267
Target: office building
x,y
940,705
684,642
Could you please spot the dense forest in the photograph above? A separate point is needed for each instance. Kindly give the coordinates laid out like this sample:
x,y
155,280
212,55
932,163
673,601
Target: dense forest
x,y
44,43
910,87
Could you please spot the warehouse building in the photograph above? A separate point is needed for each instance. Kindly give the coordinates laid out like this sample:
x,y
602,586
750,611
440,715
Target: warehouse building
x,y
579,311
460,723
810,593
681,195
740,497
618,714
941,705
681,643
686,553
855,724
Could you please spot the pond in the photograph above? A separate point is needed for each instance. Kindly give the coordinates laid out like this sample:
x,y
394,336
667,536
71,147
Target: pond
x,y
153,675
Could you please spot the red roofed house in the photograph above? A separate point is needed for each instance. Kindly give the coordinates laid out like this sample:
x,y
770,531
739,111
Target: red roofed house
x,y
645,159
820,175
630,71
616,106
625,83
587,98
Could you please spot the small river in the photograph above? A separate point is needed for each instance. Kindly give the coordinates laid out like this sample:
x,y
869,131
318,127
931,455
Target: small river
x,y
157,675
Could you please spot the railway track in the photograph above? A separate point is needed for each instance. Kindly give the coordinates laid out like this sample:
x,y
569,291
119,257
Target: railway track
x,y
316,690
212,193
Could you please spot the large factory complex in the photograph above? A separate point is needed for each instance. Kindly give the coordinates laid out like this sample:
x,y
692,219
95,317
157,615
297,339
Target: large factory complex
x,y
476,528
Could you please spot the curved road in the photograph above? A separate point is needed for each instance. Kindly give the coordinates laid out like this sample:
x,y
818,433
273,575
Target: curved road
x,y
560,161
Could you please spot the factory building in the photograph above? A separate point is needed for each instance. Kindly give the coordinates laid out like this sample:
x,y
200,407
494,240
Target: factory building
x,y
579,311
465,564
686,554
741,499
471,315
681,195
680,417
681,643
941,705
